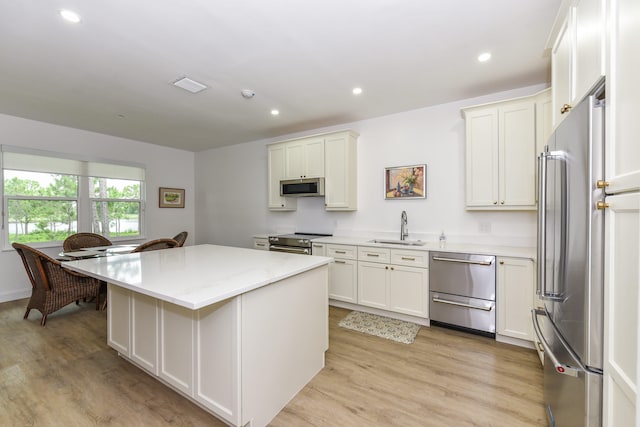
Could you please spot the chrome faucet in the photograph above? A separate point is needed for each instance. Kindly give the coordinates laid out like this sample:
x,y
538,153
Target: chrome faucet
x,y
404,231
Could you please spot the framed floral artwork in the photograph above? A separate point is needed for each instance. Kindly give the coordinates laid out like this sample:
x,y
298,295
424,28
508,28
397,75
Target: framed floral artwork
x,y
171,197
405,182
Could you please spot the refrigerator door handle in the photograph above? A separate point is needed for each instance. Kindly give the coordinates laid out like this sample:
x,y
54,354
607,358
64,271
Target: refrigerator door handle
x,y
560,368
541,282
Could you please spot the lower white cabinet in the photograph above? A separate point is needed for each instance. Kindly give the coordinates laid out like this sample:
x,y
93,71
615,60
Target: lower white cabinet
x,y
343,272
515,297
394,287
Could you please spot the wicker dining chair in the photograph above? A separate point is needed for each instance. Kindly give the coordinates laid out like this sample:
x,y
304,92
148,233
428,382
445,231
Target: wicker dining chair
x,y
54,287
181,238
154,245
84,240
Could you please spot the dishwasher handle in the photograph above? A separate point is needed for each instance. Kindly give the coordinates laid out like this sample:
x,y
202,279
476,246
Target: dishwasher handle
x,y
462,261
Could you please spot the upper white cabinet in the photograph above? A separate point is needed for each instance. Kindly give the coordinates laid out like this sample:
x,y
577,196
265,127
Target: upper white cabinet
x,y
577,55
305,158
276,154
562,69
340,182
501,155
331,156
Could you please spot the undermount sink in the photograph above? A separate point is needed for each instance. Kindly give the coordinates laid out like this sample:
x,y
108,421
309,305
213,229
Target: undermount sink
x,y
399,242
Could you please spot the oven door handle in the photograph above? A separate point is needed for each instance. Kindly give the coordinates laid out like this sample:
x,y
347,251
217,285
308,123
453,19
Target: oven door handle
x,y
289,250
461,304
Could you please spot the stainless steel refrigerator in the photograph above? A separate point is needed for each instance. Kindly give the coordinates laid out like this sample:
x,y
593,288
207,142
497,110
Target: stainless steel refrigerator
x,y
570,265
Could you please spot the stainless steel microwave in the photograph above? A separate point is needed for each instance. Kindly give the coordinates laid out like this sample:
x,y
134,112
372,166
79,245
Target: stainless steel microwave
x,y
305,187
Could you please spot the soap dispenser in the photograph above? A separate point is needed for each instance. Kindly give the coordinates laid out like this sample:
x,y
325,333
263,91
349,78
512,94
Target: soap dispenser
x,y
443,240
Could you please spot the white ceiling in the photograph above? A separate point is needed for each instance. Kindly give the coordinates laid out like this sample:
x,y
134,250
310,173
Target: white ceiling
x,y
112,72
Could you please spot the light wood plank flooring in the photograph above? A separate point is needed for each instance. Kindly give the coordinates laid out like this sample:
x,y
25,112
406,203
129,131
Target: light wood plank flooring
x,y
66,375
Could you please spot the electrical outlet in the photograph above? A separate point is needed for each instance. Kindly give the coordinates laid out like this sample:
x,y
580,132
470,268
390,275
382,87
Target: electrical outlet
x,y
485,227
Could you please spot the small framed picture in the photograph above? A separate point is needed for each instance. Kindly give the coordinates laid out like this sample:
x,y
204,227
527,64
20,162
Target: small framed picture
x,y
171,197
405,182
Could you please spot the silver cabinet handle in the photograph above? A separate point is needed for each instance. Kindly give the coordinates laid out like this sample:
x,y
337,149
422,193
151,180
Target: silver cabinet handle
x,y
260,244
461,304
337,261
561,368
373,255
406,258
316,245
340,252
463,261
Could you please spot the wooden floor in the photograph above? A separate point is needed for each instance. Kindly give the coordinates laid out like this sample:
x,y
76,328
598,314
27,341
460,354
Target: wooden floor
x,y
65,375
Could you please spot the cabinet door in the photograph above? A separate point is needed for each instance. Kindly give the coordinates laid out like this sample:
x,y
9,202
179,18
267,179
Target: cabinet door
x,y
177,338
408,290
343,280
623,92
589,24
144,331
119,319
514,296
372,284
276,166
517,154
622,278
304,158
340,191
482,157
562,69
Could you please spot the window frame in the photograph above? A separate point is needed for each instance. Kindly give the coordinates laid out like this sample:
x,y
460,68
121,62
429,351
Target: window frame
x,y
84,197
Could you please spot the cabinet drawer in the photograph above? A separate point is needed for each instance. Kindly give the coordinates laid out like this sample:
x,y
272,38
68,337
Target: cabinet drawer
x,y
374,254
342,251
261,244
410,258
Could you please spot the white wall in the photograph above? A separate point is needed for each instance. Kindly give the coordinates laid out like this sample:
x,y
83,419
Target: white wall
x,y
231,187
166,167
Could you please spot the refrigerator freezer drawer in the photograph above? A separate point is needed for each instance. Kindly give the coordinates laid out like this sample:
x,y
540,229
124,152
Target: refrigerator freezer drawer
x,y
469,313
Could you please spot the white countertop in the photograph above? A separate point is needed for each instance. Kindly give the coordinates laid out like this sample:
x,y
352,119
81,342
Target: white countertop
x,y
509,251
196,276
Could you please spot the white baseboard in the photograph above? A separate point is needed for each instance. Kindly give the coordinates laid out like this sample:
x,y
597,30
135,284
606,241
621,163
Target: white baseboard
x,y
14,295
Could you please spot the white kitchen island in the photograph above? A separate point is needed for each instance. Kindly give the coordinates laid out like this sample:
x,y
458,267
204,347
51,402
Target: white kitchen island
x,y
237,331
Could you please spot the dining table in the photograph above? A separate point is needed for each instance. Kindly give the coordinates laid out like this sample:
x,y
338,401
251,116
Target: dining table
x,y
98,251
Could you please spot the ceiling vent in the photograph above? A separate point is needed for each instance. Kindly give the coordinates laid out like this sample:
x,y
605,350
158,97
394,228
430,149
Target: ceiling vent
x,y
189,85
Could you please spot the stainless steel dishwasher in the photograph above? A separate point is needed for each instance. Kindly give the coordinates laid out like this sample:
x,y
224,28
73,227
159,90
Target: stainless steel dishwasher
x,y
463,291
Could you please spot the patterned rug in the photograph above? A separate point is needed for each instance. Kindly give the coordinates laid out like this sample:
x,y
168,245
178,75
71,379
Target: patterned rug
x,y
384,327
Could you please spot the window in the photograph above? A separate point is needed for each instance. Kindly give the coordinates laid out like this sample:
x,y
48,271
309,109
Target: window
x,y
47,198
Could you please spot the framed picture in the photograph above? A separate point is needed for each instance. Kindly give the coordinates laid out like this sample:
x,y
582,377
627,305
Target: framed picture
x,y
405,182
171,197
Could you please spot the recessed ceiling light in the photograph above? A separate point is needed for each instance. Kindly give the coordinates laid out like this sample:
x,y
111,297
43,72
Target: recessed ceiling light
x,y
70,16
484,57
275,112
357,90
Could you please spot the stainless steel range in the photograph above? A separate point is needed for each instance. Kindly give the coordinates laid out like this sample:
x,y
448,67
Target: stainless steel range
x,y
297,243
